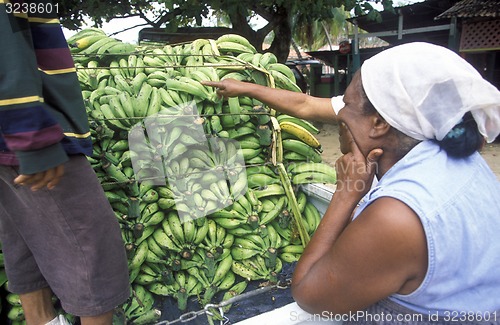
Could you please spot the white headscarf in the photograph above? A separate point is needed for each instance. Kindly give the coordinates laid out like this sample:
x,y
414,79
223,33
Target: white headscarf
x,y
423,90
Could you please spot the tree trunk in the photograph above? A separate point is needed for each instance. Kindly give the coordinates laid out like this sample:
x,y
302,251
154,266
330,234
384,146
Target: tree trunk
x,y
282,37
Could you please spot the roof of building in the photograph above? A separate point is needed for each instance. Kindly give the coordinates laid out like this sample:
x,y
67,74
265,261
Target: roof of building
x,y
416,15
473,9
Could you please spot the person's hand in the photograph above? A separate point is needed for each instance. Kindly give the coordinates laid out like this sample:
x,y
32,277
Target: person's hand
x,y
355,172
227,87
49,178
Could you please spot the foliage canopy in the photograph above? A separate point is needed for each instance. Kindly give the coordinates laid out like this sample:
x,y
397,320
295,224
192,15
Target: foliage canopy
x,y
284,17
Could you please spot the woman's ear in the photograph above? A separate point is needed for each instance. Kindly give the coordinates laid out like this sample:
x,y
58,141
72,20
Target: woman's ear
x,y
379,126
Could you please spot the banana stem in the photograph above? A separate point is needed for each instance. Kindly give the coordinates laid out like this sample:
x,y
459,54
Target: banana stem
x,y
278,144
182,298
287,185
133,208
210,265
271,255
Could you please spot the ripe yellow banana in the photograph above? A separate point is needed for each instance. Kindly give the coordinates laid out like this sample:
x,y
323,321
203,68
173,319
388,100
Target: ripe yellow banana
x,y
301,133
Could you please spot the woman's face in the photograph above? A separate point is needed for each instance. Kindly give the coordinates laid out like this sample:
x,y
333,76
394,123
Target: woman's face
x,y
354,124
345,138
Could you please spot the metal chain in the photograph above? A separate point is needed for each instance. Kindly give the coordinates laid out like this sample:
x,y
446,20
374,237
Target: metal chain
x,y
153,178
189,316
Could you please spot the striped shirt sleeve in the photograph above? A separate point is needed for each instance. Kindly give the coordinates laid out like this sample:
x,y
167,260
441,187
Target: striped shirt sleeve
x,y
34,55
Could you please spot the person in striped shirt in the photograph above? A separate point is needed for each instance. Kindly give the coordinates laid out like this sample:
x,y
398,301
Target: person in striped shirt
x,y
59,234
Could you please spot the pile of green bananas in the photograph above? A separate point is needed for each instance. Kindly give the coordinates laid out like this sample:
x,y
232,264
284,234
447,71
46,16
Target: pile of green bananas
x,y
15,312
10,304
207,191
93,41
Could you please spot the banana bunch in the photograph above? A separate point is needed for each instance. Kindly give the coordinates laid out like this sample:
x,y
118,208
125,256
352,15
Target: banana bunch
x,y
299,141
10,303
15,312
190,176
311,172
139,309
93,42
182,288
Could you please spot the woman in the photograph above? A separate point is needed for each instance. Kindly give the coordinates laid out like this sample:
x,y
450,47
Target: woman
x,y
417,246
422,236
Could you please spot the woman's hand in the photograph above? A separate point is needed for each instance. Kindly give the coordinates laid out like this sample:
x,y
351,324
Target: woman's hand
x,y
227,87
355,172
49,178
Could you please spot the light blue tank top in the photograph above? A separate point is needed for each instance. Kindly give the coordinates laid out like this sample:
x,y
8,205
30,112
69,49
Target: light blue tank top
x,y
458,203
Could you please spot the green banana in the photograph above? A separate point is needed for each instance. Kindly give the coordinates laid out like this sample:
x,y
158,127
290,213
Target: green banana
x,y
223,268
154,219
13,299
295,249
297,168
228,280
244,271
145,279
273,236
142,100
85,32
312,216
122,84
244,242
165,241
90,44
149,317
294,156
241,253
273,214
302,149
289,257
235,44
268,59
229,223
15,313
111,119
234,291
282,81
140,255
282,68
262,180
313,177
188,86
137,81
189,229
269,190
160,289
154,103
104,49
176,227
150,196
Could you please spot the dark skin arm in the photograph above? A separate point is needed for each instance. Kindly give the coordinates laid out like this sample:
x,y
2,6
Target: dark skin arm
x,y
49,178
287,102
348,266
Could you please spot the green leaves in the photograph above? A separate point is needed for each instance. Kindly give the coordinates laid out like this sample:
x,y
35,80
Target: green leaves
x,y
286,18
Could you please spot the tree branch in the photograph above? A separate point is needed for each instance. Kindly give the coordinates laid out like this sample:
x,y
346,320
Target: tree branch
x,y
165,18
129,28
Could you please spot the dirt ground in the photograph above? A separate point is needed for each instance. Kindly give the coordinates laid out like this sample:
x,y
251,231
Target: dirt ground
x,y
328,137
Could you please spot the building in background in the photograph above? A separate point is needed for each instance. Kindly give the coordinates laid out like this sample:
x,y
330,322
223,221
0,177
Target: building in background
x,y
479,23
469,27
